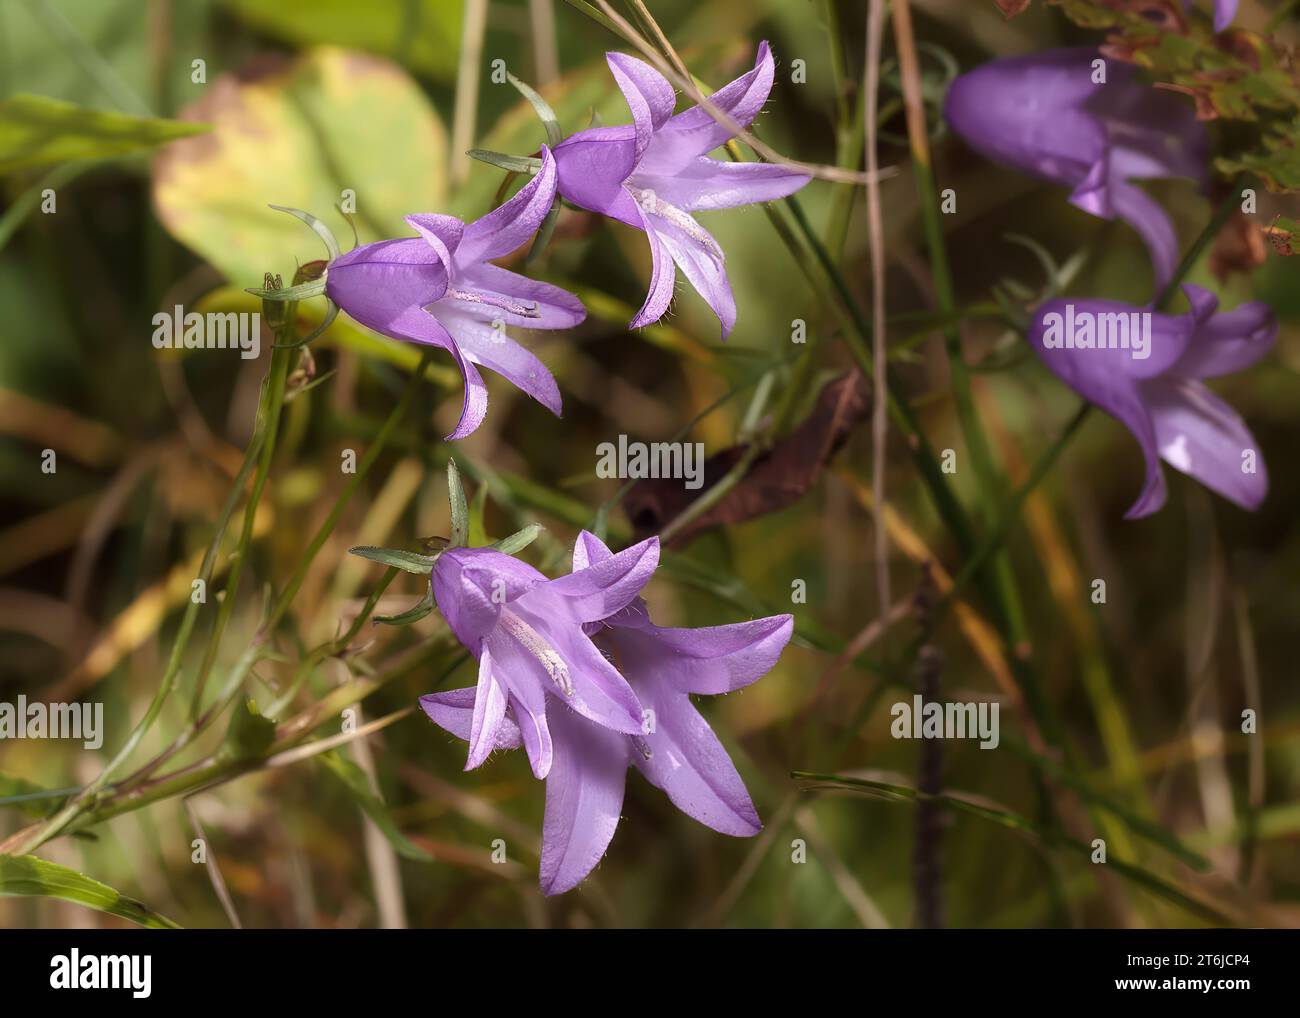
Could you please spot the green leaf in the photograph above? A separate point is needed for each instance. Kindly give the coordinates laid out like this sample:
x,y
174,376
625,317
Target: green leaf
x,y
318,227
1140,826
407,561
502,161
410,615
544,111
38,131
26,875
250,734
422,34
300,292
459,508
353,778
519,540
299,136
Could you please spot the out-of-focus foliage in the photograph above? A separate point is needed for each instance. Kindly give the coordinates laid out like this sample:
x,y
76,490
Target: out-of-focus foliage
x,y
301,134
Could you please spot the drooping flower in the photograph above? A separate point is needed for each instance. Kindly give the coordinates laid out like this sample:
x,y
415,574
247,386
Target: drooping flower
x,y
1151,383
655,173
527,633
1224,12
674,748
440,288
1045,115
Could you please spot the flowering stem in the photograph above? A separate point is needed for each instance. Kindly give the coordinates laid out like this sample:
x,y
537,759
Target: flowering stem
x,y
254,454
268,424
1008,594
1221,216
331,521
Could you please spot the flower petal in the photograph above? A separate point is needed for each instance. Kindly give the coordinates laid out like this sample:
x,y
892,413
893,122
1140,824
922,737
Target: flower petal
x,y
708,660
589,550
471,585
1102,323
663,277
584,797
378,283
507,227
489,711
1201,435
553,307
598,691
705,184
691,765
591,167
1224,12
604,587
700,260
483,344
416,324
694,132
1027,112
442,233
535,733
1229,341
1111,380
453,710
649,95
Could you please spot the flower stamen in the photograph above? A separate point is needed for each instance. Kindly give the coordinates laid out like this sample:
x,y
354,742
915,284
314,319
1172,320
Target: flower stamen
x,y
533,642
652,204
528,310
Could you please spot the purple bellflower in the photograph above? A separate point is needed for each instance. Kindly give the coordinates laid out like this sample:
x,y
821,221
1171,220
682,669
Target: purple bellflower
x,y
674,747
440,288
1044,115
655,173
527,633
1145,369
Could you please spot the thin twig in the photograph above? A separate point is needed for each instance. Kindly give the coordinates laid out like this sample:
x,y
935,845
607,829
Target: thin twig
x,y
292,756
546,59
876,237
465,112
687,84
214,871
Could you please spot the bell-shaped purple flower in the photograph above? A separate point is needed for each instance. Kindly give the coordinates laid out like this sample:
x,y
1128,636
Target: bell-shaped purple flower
x,y
1045,115
440,288
655,174
1145,369
674,747
527,633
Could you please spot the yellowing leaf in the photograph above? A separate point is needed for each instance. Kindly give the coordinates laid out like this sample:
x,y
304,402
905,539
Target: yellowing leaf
x,y
299,133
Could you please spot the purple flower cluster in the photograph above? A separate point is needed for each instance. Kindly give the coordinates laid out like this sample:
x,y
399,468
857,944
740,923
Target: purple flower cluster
x,y
440,288
1091,125
574,671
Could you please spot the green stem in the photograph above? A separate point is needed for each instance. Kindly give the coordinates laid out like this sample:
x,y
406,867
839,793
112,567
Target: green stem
x,y
1206,237
331,521
76,805
268,423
